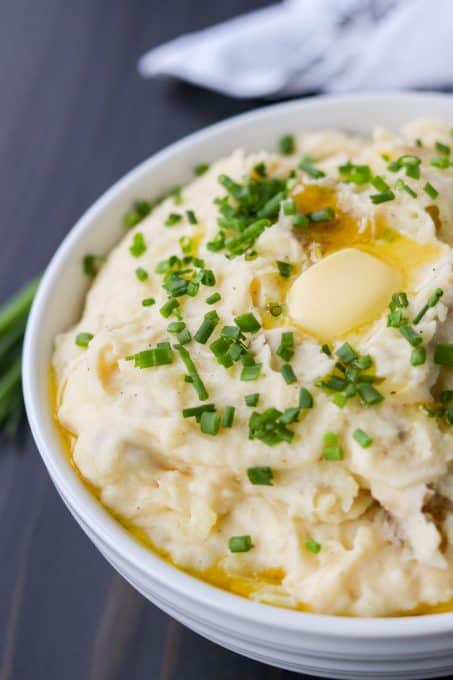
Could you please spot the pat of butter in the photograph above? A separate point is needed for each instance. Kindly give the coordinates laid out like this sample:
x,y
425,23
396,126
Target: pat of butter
x,y
341,292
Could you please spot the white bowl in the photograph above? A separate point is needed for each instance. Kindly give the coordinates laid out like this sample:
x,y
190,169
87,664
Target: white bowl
x,y
411,647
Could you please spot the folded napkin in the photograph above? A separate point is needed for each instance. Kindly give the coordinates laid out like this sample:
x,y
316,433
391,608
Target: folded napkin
x,y
301,46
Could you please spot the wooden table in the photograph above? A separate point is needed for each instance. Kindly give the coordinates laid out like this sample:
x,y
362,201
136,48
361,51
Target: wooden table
x,y
75,116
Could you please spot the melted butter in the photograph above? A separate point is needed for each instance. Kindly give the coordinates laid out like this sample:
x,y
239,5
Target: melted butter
x,y
377,238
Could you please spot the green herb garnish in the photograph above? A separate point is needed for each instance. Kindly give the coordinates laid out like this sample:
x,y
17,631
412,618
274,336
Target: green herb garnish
x,y
209,423
138,246
288,374
201,168
240,544
313,546
228,416
430,190
83,339
196,381
247,323
287,145
262,476
362,438
252,399
141,274
307,165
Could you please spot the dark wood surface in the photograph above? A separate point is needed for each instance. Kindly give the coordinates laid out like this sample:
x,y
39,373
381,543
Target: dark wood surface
x,y
74,116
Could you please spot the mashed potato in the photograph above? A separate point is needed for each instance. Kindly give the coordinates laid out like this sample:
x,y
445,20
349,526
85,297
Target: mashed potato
x,y
254,422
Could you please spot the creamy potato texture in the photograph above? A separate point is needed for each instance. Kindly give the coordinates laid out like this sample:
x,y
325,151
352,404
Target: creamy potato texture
x,y
330,487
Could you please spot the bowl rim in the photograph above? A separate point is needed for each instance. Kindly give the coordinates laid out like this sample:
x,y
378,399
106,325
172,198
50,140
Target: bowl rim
x,y
93,514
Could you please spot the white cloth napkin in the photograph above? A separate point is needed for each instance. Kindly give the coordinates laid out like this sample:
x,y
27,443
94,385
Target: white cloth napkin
x,y
301,46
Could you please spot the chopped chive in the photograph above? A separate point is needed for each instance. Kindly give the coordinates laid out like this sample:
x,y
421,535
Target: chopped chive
x,y
364,362
313,546
289,207
418,356
410,335
287,145
269,428
357,174
262,476
323,215
184,336
138,246
169,307
197,411
443,354
272,206
401,185
252,399
207,277
83,339
379,183
399,300
340,399
290,415
362,438
288,374
432,301
172,219
176,326
209,423
212,299
91,264
442,148
442,162
132,218
176,195
369,394
186,244
228,416
191,217
143,207
207,327
260,169
148,302
306,164
159,356
251,372
201,168
305,398
430,190
301,221
240,544
236,245
141,274
333,453
325,349
247,323
346,353
285,269
330,439
193,373
231,332
383,197
334,383
286,348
